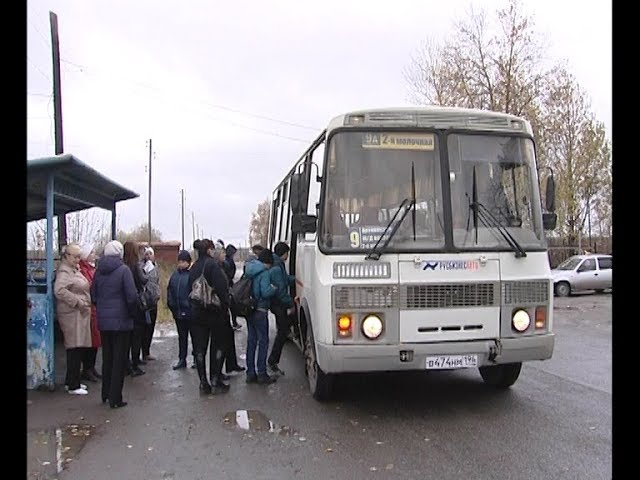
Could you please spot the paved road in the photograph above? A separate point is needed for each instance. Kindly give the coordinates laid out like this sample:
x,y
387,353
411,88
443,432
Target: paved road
x,y
555,422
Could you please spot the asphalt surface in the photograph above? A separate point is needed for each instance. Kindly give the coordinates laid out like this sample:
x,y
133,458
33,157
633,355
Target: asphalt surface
x,y
555,422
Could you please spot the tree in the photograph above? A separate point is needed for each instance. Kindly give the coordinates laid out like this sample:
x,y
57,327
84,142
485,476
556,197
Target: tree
x,y
577,149
259,226
500,66
84,227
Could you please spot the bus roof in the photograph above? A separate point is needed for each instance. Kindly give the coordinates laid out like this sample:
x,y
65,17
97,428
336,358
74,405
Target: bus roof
x,y
434,117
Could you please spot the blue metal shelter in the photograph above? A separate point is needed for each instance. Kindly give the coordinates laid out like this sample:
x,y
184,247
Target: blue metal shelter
x,y
57,185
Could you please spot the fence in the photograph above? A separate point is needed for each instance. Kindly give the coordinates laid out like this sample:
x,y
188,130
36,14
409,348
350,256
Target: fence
x,y
560,248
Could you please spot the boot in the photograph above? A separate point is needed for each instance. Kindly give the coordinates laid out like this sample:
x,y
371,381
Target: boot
x,y
205,387
215,362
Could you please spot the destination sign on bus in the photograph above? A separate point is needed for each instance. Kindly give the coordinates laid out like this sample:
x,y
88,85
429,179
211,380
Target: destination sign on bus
x,y
367,237
398,141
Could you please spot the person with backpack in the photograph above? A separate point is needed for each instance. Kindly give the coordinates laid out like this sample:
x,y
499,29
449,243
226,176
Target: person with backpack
x,y
207,323
153,294
180,306
280,304
258,321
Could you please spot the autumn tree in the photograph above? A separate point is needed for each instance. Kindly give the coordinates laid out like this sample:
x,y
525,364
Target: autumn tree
x,y
259,225
497,63
578,151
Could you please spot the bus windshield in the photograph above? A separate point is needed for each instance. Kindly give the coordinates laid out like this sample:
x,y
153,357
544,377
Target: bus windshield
x,y
505,185
368,176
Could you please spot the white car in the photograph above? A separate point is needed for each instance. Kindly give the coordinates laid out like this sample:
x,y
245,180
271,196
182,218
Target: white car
x,y
583,272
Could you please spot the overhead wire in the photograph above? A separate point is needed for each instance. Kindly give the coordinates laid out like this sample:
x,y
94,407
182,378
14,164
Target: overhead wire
x,y
86,70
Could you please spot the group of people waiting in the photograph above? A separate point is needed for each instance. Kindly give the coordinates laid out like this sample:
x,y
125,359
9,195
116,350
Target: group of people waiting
x,y
212,330
114,305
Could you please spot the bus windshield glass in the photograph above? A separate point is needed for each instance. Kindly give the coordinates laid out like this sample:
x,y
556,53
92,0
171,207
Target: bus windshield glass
x,y
368,176
501,172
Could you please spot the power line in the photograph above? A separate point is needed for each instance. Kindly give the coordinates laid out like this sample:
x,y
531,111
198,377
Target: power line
x,y
45,43
38,69
83,69
47,95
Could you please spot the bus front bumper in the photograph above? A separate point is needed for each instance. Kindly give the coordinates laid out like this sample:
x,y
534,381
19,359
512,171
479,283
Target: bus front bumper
x,y
413,356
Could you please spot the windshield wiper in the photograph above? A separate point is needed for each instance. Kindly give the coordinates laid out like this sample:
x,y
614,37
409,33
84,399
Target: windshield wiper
x,y
375,253
490,221
413,199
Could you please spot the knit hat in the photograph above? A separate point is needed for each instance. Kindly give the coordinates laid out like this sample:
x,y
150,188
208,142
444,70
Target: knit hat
x,y
114,249
85,251
184,256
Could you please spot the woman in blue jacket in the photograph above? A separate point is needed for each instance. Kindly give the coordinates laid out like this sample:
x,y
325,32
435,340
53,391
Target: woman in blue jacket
x,y
114,294
180,306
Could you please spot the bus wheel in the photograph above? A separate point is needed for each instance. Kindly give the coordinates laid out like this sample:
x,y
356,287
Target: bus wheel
x,y
320,383
501,376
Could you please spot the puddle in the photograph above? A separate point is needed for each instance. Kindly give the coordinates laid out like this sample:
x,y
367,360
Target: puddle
x,y
50,451
255,421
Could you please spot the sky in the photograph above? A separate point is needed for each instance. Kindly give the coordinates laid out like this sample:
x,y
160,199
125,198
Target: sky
x,y
232,93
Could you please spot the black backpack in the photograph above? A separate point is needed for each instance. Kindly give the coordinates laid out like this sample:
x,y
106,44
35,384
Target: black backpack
x,y
241,299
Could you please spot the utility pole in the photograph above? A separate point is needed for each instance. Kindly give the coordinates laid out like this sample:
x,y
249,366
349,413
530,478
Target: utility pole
x,y
182,196
150,155
57,114
193,224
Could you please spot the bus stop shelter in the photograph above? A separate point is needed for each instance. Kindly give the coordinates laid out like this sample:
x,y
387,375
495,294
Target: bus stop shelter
x,y
57,185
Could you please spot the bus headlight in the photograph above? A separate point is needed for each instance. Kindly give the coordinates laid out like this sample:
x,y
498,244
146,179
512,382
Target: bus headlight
x,y
521,320
372,326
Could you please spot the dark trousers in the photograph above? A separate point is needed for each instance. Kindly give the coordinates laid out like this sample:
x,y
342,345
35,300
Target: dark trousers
x,y
89,359
115,346
74,360
184,330
208,328
283,324
229,346
148,332
137,336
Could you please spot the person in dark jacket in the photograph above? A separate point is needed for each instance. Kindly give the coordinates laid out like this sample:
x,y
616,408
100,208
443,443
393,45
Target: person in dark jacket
x,y
207,326
258,322
114,294
180,306
280,304
229,267
230,359
132,260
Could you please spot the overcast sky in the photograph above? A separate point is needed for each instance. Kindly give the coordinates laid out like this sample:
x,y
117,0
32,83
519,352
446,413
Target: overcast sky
x,y
199,77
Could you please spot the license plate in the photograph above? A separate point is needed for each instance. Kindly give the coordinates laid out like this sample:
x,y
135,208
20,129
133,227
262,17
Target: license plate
x,y
445,362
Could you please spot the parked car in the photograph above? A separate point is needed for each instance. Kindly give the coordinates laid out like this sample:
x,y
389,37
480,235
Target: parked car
x,y
583,272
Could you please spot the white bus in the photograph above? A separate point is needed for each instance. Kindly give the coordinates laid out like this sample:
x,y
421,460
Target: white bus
x,y
417,243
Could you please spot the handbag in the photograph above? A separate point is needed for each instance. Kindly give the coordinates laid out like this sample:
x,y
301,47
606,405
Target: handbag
x,y
203,295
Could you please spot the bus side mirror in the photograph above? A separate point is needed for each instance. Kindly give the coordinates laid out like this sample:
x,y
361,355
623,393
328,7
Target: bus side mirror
x,y
303,223
549,220
550,197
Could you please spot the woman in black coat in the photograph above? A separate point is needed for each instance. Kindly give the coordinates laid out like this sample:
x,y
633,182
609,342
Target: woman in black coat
x,y
208,326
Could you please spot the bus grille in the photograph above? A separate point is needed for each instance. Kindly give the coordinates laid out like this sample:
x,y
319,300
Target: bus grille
x,y
526,292
449,295
379,296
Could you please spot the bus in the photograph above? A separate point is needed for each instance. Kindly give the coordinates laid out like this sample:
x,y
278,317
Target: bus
x,y
417,242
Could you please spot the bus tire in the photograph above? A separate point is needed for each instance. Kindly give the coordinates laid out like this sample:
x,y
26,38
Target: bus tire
x,y
501,376
320,383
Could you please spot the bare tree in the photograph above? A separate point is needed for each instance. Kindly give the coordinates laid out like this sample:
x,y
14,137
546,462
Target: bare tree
x,y
259,225
498,63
